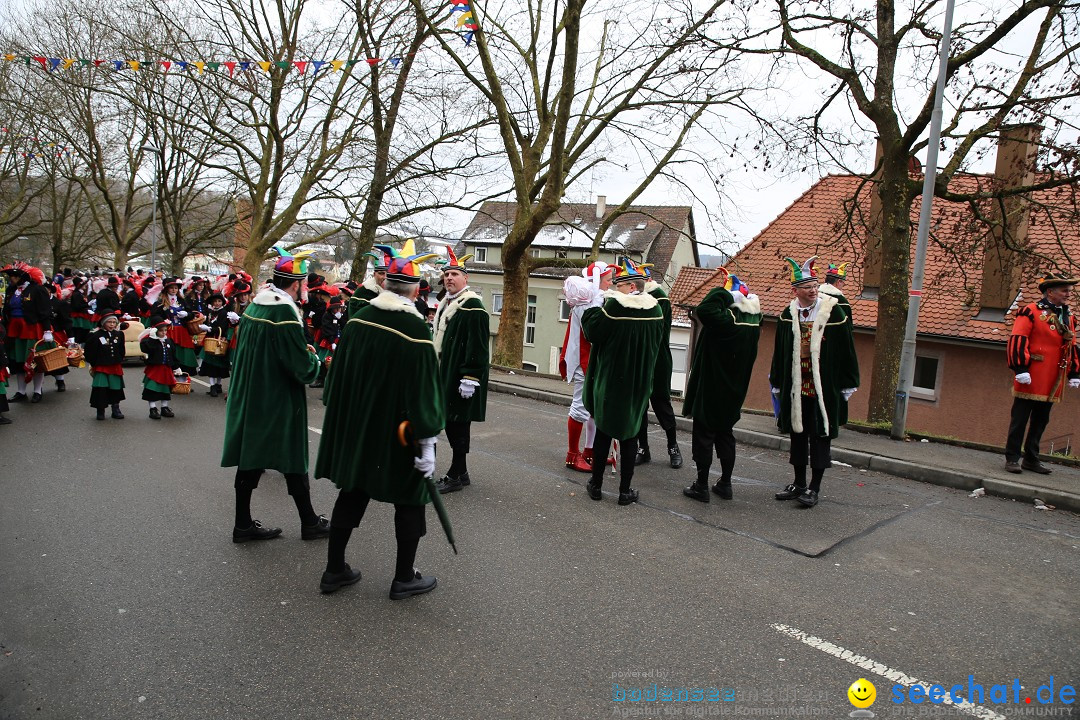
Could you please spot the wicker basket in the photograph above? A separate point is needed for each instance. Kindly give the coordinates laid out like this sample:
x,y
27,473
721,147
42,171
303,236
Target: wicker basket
x,y
197,340
215,346
183,387
193,322
75,356
49,360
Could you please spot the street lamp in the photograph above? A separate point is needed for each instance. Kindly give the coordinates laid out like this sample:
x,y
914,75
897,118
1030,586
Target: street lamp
x,y
157,186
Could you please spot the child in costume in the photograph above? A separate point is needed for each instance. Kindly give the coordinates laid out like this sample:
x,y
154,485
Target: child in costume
x,y
161,367
105,355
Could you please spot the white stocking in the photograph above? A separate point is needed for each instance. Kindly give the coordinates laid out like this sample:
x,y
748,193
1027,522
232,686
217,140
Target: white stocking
x,y
21,380
39,381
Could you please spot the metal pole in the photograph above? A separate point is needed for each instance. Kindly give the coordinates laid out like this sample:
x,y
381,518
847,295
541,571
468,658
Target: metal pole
x,y
157,185
907,358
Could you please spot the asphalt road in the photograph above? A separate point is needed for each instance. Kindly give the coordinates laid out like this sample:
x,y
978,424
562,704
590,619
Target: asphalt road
x,y
122,595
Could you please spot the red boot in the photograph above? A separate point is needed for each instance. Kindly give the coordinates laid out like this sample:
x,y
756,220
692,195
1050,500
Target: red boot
x,y
582,464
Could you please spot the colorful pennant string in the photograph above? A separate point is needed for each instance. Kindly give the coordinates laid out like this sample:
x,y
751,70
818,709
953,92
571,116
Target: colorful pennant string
x,y
55,64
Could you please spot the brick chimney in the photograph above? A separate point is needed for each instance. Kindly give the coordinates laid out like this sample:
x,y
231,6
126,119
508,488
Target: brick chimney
x,y
1016,154
601,206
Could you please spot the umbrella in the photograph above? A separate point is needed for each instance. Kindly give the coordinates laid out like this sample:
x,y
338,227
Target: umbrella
x,y
405,437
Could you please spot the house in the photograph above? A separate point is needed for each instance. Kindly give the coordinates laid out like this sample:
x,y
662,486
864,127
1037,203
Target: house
x,y
973,286
659,234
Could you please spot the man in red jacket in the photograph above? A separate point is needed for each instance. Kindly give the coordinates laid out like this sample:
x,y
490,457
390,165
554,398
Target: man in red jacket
x,y
1042,352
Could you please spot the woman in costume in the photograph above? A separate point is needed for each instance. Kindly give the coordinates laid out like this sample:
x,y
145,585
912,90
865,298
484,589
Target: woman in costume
x,y
28,315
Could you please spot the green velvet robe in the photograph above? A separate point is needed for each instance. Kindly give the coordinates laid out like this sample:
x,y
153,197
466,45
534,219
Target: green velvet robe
x,y
664,364
363,295
384,372
266,413
461,335
841,301
723,358
835,365
626,333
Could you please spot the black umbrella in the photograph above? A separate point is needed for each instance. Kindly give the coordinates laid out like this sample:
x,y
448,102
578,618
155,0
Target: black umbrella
x,y
405,437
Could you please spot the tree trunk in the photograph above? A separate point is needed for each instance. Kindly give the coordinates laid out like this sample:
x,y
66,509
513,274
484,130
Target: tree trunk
x,y
509,341
120,257
896,197
253,262
177,267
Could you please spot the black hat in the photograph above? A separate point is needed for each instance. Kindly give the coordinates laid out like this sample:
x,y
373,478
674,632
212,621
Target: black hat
x,y
156,322
1053,280
215,296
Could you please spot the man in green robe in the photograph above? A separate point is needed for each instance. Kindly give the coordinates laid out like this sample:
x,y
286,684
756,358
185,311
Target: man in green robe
x,y
266,411
371,286
730,321
814,372
461,335
661,392
625,333
384,374
835,277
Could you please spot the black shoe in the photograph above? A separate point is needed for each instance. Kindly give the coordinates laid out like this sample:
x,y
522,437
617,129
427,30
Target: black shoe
x,y
723,489
213,391
630,496
116,414
593,491
464,480
61,386
255,532
101,414
18,397
643,456
35,398
335,581
154,414
675,456
1036,467
320,529
448,485
1013,466
167,412
808,498
417,586
698,491
4,420
791,492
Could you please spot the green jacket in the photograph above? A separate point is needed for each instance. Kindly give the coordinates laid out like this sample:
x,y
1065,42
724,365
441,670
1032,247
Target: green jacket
x,y
462,335
626,333
266,413
723,358
662,373
363,295
384,372
841,301
833,360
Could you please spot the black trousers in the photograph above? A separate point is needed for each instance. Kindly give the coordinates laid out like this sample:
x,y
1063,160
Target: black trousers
x,y
409,520
704,441
297,483
808,445
627,453
457,435
665,415
1024,410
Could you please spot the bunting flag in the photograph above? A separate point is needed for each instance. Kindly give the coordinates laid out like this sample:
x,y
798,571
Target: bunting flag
x,y
57,64
466,24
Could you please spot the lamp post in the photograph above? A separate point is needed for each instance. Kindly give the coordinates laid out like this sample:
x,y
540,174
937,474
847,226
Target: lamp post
x,y
157,186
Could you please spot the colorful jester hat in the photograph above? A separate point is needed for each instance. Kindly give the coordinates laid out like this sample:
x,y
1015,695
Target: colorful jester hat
x,y
453,262
628,270
383,258
645,268
836,272
804,275
406,269
291,267
733,284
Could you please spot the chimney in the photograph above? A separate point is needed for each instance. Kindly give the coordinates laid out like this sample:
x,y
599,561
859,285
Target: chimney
x,y
1016,154
871,261
601,206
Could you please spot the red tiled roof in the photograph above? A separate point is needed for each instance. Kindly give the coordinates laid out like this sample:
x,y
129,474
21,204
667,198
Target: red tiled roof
x,y
814,225
685,290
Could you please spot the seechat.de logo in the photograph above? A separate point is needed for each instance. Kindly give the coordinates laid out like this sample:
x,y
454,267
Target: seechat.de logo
x,y
862,695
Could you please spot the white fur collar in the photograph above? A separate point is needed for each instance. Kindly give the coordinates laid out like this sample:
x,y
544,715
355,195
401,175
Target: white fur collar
x,y
447,309
643,301
393,302
750,305
273,295
825,304
371,286
828,289
651,285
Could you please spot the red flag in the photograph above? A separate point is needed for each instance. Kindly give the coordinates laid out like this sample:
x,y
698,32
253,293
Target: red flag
x,y
373,61
42,61
301,66
166,64
231,65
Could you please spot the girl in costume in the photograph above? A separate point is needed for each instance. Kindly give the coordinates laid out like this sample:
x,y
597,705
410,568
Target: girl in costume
x,y
28,314
221,323
161,369
170,307
105,355
81,323
61,325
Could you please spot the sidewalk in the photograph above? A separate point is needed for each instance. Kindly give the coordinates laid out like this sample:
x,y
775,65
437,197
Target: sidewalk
x,y
930,462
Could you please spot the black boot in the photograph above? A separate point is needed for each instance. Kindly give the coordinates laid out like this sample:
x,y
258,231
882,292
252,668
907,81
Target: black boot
x,y
723,489
61,386
675,456
101,413
213,391
698,491
155,414
643,456
116,414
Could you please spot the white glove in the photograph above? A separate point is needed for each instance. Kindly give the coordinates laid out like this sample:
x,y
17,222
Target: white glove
x,y
177,372
181,314
204,328
1024,378
425,463
47,336
467,388
1074,383
233,317
311,314
93,305
775,391
847,393
333,346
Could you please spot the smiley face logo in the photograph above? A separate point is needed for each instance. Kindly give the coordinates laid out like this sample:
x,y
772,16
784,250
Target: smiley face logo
x,y
862,693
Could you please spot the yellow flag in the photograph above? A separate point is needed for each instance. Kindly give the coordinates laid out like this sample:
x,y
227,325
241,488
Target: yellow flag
x,y
336,64
9,56
199,66
68,62
466,17
134,64
265,66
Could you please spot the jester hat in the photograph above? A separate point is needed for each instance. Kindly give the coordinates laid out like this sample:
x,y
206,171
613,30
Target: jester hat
x,y
734,284
804,275
453,262
836,272
407,269
291,267
628,270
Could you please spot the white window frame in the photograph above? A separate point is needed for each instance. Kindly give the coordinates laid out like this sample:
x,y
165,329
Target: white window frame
x,y
564,310
922,393
534,252
496,303
685,349
531,366
480,255
530,308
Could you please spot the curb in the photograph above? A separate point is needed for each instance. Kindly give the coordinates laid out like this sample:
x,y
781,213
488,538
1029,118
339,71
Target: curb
x,y
880,463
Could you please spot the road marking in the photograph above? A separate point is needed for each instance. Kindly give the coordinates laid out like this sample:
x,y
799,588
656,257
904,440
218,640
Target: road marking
x,y
201,382
896,676
314,430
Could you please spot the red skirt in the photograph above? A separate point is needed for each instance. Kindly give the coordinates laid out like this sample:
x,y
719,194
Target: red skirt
x,y
179,334
161,374
21,330
81,316
112,369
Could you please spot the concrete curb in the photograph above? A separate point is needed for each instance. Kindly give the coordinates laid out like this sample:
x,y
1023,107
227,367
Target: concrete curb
x,y
879,463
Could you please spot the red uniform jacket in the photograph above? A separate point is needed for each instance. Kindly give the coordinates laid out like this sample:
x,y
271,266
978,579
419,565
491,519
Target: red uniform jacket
x,y
1044,346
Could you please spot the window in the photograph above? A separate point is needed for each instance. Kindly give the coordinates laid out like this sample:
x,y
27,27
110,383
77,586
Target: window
x,y
561,254
481,255
564,311
678,358
530,321
925,383
534,252
496,303
584,254
526,365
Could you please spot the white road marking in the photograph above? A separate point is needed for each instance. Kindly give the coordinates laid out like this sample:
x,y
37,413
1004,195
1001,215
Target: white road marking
x,y
314,430
201,382
896,676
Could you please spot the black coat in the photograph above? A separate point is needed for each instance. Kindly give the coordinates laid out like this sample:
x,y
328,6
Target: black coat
x,y
158,352
61,315
36,306
109,352
79,303
108,302
331,327
132,304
